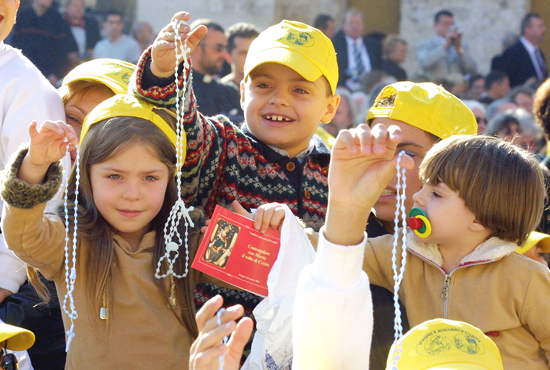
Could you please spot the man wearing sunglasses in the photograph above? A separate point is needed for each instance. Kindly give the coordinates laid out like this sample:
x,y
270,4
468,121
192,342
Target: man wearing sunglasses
x,y
208,58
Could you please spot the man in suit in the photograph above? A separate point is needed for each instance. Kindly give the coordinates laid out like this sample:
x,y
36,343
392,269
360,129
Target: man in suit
x,y
443,56
524,60
357,54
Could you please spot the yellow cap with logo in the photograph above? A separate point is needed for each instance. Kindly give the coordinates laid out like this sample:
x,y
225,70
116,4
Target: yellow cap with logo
x,y
113,73
296,45
426,106
445,344
128,106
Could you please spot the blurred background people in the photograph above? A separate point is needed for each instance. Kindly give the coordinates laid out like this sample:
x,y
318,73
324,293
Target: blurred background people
x,y
46,39
444,55
394,53
84,29
117,45
357,54
239,37
325,23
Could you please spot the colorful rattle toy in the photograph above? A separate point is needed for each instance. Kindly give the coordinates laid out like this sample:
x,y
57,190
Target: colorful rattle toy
x,y
418,221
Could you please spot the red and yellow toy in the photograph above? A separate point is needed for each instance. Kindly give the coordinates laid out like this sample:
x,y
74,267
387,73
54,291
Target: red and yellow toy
x,y
419,223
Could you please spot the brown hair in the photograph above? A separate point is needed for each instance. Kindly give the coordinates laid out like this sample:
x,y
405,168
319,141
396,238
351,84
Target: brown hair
x,y
105,140
541,107
501,183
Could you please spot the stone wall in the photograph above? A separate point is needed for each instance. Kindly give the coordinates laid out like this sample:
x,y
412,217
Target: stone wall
x,y
483,25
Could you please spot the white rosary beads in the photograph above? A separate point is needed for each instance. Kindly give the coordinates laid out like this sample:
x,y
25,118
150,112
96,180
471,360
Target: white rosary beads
x,y
70,270
225,339
398,276
172,238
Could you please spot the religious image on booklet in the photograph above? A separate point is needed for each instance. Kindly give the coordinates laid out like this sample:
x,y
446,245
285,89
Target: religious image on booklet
x,y
233,251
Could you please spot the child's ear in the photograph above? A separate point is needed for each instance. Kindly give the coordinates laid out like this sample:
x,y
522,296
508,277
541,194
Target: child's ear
x,y
477,226
332,106
242,94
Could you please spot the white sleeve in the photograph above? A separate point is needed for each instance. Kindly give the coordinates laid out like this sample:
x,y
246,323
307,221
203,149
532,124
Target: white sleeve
x,y
25,96
332,324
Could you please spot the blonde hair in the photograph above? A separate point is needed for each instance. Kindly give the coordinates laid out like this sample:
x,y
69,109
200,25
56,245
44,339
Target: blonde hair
x,y
499,182
81,88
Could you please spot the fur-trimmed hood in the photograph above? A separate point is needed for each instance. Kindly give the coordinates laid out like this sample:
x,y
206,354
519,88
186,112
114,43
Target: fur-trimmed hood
x,y
490,250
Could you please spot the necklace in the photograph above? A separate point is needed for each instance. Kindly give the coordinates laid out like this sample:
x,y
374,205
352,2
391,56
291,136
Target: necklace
x,y
172,237
70,265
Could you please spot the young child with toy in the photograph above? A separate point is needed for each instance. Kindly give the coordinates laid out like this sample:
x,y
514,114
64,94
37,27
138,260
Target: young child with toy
x,y
465,268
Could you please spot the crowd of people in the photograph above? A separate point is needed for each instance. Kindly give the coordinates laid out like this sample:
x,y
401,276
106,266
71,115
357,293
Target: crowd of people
x,y
314,125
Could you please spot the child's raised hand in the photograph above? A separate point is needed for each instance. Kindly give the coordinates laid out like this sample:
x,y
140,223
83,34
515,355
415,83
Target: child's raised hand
x,y
363,162
163,55
48,145
266,216
208,346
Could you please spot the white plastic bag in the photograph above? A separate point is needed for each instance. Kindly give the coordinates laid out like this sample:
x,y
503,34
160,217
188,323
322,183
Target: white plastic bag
x,y
272,344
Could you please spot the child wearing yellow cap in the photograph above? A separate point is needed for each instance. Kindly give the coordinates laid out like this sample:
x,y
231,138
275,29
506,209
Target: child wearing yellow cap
x,y
466,269
536,247
121,196
290,78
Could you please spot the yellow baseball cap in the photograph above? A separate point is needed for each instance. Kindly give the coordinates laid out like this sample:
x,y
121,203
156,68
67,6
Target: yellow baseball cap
x,y
113,73
445,344
125,105
426,106
296,45
16,338
534,238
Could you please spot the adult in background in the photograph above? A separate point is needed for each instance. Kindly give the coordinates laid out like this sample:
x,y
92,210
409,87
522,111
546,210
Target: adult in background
x,y
239,37
143,33
394,53
497,86
117,45
213,96
357,54
524,60
84,29
325,24
476,86
45,38
444,56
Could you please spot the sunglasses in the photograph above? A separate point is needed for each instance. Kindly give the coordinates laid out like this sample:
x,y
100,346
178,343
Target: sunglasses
x,y
8,361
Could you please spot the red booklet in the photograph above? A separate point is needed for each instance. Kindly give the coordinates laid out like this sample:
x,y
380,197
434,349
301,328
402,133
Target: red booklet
x,y
233,251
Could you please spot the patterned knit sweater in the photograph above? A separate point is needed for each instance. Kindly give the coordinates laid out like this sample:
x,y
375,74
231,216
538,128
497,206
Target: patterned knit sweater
x,y
226,163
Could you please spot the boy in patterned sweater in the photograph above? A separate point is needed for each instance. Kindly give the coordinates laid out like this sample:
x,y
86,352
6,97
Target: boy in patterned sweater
x,y
290,77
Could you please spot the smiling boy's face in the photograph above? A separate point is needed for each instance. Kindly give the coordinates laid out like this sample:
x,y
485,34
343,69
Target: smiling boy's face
x,y
8,11
283,109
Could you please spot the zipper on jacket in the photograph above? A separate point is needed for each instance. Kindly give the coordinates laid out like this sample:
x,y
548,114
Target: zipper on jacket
x,y
445,294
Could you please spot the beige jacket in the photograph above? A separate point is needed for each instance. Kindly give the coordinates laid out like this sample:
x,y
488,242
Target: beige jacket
x,y
505,294
142,332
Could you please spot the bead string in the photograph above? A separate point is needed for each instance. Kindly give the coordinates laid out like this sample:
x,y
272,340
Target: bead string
x,y
172,238
70,270
225,339
398,277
